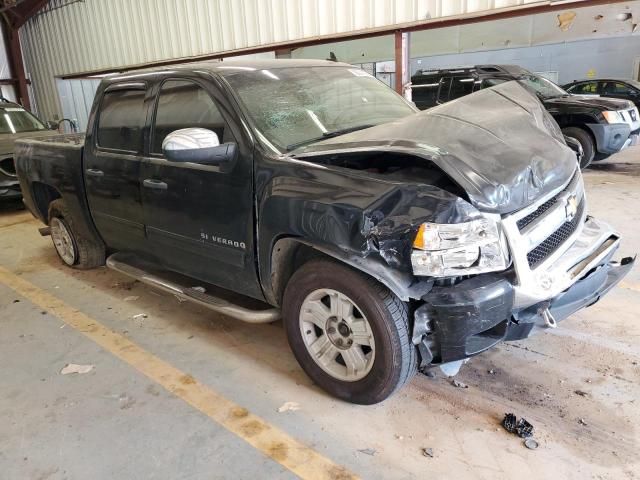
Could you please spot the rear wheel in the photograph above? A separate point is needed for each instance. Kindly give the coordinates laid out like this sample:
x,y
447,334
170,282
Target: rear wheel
x,y
349,333
586,140
74,249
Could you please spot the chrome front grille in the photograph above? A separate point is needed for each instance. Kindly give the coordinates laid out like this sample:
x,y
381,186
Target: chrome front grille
x,y
541,233
540,253
524,221
540,211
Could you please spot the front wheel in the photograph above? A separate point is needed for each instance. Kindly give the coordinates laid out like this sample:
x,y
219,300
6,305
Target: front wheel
x,y
349,333
586,141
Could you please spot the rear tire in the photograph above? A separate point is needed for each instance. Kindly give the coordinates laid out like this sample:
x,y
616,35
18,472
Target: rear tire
x,y
349,333
587,142
74,250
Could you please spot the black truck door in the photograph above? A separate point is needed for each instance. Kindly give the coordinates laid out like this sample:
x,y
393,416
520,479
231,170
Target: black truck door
x,y
112,166
199,218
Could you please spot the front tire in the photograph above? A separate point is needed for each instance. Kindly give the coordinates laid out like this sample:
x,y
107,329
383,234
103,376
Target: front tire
x,y
586,140
74,249
349,333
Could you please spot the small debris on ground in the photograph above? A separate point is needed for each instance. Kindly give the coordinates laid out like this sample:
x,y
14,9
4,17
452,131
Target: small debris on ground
x,y
139,318
531,443
491,372
459,384
399,437
521,427
16,301
581,393
75,368
427,452
289,406
368,451
126,401
582,421
131,298
509,422
524,429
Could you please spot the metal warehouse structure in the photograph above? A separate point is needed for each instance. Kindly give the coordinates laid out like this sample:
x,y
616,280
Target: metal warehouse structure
x,y
77,38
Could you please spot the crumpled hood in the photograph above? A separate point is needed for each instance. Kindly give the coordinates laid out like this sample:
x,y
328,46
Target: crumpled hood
x,y
499,144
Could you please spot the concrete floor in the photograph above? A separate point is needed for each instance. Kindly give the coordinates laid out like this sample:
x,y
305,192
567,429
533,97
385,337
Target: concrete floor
x,y
577,384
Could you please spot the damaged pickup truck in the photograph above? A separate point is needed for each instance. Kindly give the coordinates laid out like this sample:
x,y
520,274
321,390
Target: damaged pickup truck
x,y
388,240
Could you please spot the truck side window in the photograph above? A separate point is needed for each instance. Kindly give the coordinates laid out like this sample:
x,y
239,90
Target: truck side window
x,y
121,118
585,88
460,86
185,104
445,84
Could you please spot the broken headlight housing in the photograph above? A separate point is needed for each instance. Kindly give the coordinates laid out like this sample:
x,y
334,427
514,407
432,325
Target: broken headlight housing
x,y
455,249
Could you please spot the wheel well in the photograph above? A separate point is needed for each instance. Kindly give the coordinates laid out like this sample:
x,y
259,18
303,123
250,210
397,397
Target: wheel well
x,y
43,195
585,129
287,256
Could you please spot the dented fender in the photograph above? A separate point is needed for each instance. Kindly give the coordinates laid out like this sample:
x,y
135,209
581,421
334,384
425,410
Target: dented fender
x,y
367,222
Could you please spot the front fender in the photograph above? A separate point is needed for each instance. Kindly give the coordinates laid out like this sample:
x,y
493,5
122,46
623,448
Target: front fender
x,y
402,284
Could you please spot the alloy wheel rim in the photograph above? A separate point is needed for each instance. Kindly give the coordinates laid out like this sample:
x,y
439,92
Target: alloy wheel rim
x,y
337,335
62,241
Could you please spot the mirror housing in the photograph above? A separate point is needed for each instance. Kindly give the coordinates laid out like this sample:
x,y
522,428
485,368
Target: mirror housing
x,y
51,125
197,145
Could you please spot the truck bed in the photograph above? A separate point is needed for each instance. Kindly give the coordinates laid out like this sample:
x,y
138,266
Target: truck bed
x,y
51,167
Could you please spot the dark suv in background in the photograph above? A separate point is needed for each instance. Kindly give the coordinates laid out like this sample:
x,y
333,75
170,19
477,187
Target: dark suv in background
x,y
602,126
607,87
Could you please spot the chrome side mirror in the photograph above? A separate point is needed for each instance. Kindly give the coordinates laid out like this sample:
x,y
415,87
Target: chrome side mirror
x,y
197,145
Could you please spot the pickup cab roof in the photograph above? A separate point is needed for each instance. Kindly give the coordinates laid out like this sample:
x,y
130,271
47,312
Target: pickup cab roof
x,y
226,67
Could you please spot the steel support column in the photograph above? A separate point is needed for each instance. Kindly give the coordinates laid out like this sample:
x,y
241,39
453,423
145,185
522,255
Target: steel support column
x,y
403,66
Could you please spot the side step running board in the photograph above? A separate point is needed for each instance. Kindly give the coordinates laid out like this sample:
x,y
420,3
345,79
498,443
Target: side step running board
x,y
216,304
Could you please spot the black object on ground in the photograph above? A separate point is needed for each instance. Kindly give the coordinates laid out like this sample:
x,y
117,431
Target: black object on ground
x,y
524,429
509,422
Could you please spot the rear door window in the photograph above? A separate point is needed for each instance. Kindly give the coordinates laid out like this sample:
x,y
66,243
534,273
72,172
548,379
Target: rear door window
x,y
121,119
185,104
425,94
460,86
616,88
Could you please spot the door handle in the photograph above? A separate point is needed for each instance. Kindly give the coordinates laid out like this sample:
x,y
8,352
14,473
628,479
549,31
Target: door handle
x,y
156,184
92,172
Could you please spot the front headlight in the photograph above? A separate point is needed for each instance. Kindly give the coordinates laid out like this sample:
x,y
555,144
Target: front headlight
x,y
613,117
446,250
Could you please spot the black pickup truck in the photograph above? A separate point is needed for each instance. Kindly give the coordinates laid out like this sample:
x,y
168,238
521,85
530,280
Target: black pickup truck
x,y
389,240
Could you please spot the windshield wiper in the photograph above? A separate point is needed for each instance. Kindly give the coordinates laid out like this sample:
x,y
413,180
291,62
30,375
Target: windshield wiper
x,y
325,135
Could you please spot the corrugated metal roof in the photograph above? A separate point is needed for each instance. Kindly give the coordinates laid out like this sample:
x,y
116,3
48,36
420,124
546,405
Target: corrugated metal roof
x,y
74,36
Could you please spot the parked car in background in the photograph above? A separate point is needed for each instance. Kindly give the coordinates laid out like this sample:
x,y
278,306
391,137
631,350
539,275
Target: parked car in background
x,y
15,123
607,87
388,239
603,126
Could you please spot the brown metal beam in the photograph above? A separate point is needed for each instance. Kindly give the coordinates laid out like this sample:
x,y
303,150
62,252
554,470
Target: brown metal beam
x,y
24,11
17,67
431,24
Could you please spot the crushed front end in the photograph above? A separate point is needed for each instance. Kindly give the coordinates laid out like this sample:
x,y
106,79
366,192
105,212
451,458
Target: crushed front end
x,y
561,261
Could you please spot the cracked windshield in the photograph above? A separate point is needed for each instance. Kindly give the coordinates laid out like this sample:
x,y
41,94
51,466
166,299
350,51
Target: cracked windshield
x,y
293,107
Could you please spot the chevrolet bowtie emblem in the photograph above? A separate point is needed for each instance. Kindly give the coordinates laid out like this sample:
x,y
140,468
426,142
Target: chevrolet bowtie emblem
x,y
571,208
